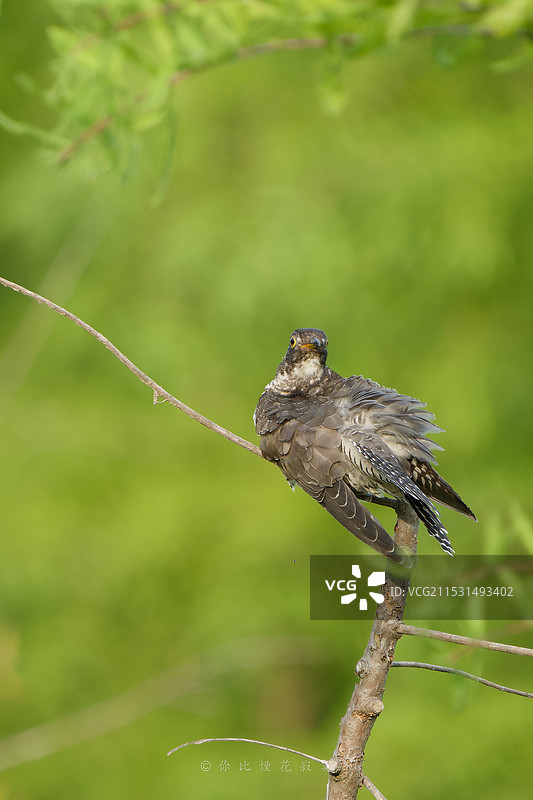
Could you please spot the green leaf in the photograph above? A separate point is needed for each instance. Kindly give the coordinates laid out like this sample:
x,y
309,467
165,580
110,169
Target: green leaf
x,y
401,19
192,43
506,18
332,87
23,129
61,39
148,120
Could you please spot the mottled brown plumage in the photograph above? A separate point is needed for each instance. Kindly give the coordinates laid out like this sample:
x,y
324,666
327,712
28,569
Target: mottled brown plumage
x,y
342,439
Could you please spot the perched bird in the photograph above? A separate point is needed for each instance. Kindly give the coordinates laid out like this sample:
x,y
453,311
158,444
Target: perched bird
x,y
346,439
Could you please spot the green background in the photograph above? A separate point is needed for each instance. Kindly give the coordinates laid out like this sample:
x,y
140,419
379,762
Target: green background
x,y
136,542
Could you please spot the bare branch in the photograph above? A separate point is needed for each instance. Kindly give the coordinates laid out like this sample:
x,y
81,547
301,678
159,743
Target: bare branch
x,y
156,388
426,633
463,674
374,791
511,628
250,741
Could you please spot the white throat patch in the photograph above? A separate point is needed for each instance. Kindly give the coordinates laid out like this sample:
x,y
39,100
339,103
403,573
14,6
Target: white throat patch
x,y
307,372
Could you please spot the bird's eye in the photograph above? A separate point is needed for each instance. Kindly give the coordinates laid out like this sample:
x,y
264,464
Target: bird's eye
x,y
292,341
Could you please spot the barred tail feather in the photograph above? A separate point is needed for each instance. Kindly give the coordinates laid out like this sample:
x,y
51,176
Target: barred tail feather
x,y
433,524
434,486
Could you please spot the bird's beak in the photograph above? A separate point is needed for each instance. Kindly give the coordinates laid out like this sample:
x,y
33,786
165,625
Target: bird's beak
x,y
314,344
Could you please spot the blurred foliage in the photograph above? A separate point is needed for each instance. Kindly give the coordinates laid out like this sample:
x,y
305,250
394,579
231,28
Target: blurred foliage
x,y
117,63
135,540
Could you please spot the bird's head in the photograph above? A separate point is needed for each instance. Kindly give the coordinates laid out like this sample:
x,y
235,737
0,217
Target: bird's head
x,y
304,362
307,344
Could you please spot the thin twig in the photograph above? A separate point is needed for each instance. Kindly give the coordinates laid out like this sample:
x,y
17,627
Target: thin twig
x,y
374,791
426,633
156,388
266,48
463,674
512,628
250,741
87,135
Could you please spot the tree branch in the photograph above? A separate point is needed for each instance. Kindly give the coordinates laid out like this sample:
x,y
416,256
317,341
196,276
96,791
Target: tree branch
x,y
250,741
345,767
374,791
263,48
156,388
366,703
331,766
426,633
463,674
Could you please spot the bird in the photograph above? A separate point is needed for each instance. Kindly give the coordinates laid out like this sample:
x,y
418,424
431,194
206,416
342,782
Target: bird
x,y
344,440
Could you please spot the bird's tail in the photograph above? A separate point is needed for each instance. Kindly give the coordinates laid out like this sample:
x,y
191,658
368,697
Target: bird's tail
x,y
429,517
433,485
341,502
